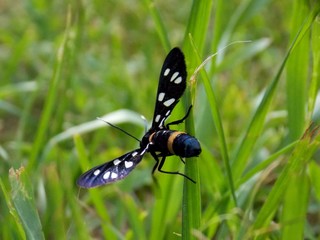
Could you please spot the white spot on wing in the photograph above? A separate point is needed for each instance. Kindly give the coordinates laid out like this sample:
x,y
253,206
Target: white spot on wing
x,y
157,118
144,150
169,102
128,164
162,121
167,113
134,154
96,172
166,72
178,80
116,162
114,175
161,96
174,76
106,175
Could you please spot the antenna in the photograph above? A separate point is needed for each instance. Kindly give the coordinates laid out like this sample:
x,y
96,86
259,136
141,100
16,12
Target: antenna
x,y
119,129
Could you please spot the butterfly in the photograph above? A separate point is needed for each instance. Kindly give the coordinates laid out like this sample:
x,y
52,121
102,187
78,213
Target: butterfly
x,y
159,140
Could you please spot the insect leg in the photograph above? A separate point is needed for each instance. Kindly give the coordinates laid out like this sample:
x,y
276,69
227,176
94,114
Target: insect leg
x,y
180,120
159,166
154,155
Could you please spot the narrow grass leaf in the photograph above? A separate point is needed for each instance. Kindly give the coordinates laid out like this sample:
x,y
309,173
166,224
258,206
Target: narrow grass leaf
x,y
315,74
162,32
302,154
197,27
314,170
297,73
13,211
295,205
23,200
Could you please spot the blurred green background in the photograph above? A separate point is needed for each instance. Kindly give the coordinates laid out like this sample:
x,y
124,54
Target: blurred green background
x,y
64,63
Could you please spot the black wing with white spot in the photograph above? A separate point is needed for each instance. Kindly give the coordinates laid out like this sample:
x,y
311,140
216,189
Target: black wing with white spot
x,y
111,171
172,84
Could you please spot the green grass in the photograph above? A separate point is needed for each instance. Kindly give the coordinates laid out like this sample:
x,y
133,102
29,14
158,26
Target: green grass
x,y
254,111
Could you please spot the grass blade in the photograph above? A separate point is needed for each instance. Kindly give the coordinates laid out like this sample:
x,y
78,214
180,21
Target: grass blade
x,y
191,210
296,165
19,227
23,200
297,73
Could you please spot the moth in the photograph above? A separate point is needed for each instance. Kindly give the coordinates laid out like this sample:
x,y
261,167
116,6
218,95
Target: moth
x,y
159,140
